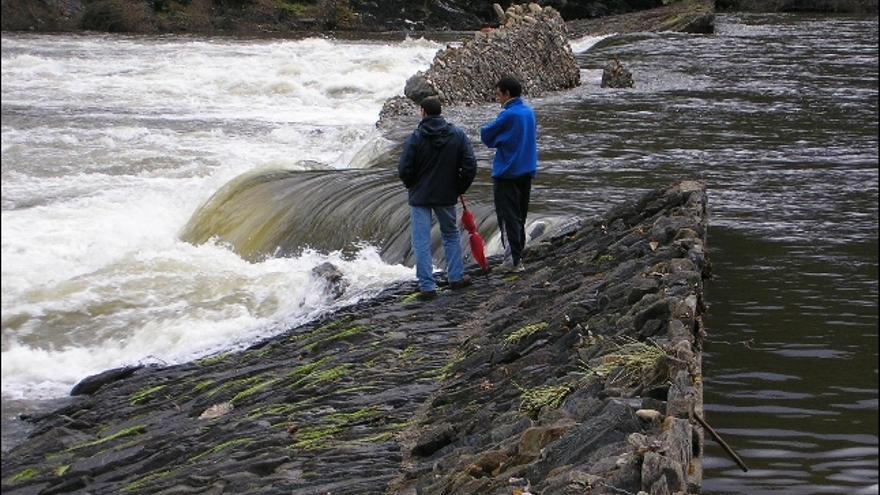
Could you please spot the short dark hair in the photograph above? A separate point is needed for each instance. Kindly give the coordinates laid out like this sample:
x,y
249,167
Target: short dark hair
x,y
509,84
431,105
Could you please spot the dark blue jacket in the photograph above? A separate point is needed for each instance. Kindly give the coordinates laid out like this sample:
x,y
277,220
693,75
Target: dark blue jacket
x,y
437,163
514,134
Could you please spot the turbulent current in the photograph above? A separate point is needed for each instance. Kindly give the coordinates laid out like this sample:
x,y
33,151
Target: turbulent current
x,y
164,198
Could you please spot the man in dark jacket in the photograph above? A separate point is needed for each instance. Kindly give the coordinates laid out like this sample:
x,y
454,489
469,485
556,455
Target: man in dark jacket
x,y
513,134
436,166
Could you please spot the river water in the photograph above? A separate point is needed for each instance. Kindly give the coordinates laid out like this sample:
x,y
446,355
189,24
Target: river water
x,y
111,144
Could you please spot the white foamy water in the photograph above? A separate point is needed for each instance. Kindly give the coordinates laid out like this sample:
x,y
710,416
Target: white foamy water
x,y
108,146
585,43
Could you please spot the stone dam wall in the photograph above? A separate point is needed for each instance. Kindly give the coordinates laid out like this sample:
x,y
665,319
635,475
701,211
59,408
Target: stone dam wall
x,y
579,375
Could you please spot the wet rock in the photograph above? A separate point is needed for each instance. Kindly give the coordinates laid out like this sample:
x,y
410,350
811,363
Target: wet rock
x,y
91,384
217,410
648,414
614,75
433,439
418,88
527,378
336,283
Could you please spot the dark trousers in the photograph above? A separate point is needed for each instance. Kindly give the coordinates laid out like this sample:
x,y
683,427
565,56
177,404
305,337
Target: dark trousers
x,y
511,207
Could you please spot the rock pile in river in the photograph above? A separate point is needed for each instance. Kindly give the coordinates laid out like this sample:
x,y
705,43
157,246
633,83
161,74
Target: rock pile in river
x,y
579,375
531,43
615,75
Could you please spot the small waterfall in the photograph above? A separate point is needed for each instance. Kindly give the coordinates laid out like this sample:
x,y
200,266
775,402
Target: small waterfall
x,y
278,213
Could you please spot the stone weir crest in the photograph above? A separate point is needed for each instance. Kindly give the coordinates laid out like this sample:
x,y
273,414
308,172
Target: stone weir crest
x,y
580,375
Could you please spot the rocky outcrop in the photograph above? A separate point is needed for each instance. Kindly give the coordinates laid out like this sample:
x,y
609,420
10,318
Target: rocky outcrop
x,y
686,16
258,16
832,6
615,75
579,375
531,44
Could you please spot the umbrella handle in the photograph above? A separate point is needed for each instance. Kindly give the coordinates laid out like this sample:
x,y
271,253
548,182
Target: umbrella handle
x,y
461,197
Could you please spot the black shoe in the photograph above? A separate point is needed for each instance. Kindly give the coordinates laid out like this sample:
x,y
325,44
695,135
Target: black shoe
x,y
461,284
426,295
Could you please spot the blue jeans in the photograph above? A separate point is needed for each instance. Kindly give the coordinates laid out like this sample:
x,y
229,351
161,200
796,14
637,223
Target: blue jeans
x,y
420,219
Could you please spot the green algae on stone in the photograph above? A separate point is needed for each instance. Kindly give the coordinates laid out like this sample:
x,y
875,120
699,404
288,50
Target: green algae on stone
x,y
337,336
279,409
315,438
254,389
414,297
406,353
239,384
143,481
238,442
333,325
524,332
134,430
143,395
361,415
379,438
201,386
445,372
330,375
208,361
320,437
604,259
359,388
60,470
306,369
25,475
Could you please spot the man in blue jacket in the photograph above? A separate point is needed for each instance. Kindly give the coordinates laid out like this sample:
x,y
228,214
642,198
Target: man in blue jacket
x,y
436,166
514,136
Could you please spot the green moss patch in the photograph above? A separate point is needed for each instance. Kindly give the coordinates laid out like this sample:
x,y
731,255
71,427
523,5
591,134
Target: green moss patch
x,y
202,386
239,384
604,259
380,438
316,438
208,361
143,395
240,442
134,430
326,376
279,409
254,389
446,371
329,327
145,481
344,334
25,475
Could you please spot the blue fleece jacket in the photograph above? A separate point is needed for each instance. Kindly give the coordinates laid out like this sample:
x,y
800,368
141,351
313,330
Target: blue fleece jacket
x,y
514,134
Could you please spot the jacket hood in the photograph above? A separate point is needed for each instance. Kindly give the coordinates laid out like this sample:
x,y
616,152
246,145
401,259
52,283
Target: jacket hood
x,y
436,130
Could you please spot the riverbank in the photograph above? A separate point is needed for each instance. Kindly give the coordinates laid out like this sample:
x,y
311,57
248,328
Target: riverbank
x,y
217,17
597,345
689,16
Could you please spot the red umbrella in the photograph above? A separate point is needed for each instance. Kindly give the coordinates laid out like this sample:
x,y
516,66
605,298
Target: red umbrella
x,y
476,242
